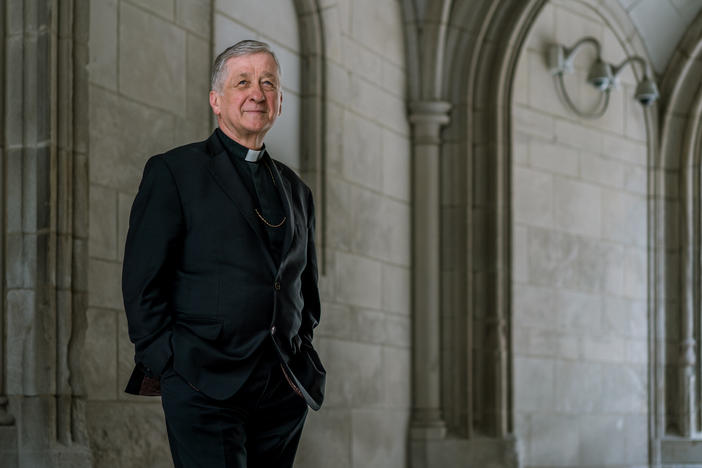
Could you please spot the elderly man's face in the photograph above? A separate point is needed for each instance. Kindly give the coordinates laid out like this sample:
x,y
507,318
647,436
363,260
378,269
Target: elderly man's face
x,y
250,99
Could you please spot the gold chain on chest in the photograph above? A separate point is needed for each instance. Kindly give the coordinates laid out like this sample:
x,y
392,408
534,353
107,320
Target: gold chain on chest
x,y
265,221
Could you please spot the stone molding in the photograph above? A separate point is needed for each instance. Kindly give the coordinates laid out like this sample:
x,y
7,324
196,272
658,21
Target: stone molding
x,y
44,228
467,41
6,419
473,44
681,144
427,118
313,124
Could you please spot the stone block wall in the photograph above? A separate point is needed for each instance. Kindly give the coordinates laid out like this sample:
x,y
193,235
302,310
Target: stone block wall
x,y
364,336
579,256
148,87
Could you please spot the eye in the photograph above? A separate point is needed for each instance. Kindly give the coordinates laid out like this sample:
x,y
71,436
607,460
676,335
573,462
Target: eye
x,y
269,84
242,83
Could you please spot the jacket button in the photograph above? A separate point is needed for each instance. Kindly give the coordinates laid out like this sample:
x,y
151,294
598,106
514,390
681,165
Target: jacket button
x,y
277,286
273,330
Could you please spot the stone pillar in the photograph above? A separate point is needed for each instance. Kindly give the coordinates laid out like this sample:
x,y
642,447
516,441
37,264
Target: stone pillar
x,y
689,292
5,418
427,118
42,90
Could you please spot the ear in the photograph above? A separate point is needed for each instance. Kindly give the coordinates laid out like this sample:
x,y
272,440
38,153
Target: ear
x,y
214,102
280,103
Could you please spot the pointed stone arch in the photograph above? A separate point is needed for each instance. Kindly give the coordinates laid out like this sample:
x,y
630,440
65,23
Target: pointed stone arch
x,y
480,43
676,191
313,126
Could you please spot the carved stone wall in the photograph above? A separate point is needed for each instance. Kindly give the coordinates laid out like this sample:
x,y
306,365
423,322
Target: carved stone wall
x,y
44,51
677,191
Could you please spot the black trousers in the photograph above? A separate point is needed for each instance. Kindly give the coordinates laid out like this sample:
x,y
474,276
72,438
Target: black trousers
x,y
259,427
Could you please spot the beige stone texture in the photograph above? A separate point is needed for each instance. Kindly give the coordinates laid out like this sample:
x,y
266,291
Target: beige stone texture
x,y
20,311
373,23
396,376
534,379
118,161
141,444
363,151
553,440
103,234
578,250
99,360
104,284
535,206
603,170
395,165
374,443
535,123
194,15
164,8
395,291
151,59
327,436
103,48
577,207
228,32
360,385
257,16
553,158
578,136
358,280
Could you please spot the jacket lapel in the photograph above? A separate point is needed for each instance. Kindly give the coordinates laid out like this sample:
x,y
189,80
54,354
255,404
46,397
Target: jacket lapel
x,y
223,172
285,195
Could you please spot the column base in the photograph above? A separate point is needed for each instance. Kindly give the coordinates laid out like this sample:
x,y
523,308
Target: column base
x,y
428,432
464,453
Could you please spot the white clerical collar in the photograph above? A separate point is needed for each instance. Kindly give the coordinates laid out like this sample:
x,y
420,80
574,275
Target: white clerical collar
x,y
253,155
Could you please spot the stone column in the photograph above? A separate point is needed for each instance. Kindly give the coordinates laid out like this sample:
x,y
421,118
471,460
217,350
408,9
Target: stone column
x,y
687,373
427,118
42,93
5,418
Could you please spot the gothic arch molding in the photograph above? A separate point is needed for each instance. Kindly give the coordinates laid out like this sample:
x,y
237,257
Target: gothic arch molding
x,y
45,230
480,49
677,190
313,125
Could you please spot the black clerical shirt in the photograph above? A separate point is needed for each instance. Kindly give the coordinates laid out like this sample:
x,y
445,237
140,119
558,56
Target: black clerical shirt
x,y
258,179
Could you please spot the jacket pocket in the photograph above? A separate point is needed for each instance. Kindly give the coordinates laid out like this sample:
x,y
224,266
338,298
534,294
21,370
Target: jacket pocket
x,y
314,360
204,327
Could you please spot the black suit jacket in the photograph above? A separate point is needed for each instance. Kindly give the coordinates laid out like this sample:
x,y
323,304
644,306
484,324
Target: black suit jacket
x,y
200,285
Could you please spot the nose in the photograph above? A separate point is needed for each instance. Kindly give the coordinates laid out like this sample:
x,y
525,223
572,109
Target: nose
x,y
257,94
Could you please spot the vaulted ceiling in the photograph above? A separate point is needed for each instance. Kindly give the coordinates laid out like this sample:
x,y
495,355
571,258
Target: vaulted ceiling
x,y
661,25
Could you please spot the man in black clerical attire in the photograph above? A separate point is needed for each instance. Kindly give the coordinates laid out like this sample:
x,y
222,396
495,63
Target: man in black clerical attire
x,y
220,282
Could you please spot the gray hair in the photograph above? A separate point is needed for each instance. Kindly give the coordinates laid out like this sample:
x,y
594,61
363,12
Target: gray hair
x,y
245,47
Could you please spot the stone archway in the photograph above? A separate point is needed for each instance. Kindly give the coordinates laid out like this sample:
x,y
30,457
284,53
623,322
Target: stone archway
x,y
464,172
463,59
676,192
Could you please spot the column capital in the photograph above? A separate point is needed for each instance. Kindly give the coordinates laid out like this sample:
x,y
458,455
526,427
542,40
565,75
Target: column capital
x,y
430,112
427,118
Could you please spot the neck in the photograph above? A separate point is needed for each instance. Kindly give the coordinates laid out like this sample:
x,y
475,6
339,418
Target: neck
x,y
253,141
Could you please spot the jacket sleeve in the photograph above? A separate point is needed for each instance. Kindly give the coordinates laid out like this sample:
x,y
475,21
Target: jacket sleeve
x,y
151,256
310,291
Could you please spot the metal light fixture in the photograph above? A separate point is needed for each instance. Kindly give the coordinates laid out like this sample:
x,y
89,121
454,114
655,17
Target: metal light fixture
x,y
602,75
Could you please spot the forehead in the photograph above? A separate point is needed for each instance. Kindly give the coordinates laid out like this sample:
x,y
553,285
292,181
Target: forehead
x,y
258,63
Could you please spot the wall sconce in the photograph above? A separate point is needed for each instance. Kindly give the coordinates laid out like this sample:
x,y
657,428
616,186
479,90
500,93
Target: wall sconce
x,y
602,76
